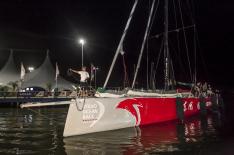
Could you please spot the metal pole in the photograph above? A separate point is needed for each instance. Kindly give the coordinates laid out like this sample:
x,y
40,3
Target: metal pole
x,y
82,48
120,43
166,49
95,76
143,44
147,68
56,84
195,57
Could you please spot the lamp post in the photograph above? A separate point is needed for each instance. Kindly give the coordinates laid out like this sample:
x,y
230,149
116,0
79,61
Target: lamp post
x,y
82,42
95,76
31,69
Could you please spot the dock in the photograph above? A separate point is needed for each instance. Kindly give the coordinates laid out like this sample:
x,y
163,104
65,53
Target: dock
x,y
16,98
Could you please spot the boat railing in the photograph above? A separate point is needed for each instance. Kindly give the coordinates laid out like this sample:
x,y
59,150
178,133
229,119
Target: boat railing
x,y
116,90
35,94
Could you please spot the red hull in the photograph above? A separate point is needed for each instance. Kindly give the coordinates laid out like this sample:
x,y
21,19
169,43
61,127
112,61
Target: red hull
x,y
155,110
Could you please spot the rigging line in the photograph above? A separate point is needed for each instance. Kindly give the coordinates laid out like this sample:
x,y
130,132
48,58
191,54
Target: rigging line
x,y
171,73
143,43
193,9
151,75
199,47
179,58
166,47
192,14
157,63
147,67
175,14
171,47
195,56
156,10
147,58
176,30
153,80
180,62
159,55
172,80
120,43
185,39
176,22
150,28
178,38
126,81
202,58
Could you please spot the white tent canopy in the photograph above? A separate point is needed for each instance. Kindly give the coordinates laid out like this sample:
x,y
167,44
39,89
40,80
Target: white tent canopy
x,y
9,72
45,75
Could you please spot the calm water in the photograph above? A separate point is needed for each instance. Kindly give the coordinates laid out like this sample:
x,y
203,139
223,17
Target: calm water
x,y
23,131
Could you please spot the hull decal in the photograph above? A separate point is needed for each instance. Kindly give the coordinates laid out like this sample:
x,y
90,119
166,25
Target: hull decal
x,y
132,105
100,114
136,107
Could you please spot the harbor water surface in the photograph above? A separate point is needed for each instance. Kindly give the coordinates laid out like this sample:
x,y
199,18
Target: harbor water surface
x,y
40,130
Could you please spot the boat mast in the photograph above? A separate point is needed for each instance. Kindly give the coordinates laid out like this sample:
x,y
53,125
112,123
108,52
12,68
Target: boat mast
x,y
120,43
166,48
143,45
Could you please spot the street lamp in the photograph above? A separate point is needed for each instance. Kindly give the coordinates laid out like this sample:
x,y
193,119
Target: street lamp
x,y
82,42
31,69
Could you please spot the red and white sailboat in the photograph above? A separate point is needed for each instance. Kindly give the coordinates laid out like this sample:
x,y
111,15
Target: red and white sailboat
x,y
108,111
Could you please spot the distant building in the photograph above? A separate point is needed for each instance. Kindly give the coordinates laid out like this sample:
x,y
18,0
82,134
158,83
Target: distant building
x,y
44,77
39,79
9,72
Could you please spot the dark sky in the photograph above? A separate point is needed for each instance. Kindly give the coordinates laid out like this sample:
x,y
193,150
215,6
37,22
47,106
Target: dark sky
x,y
56,25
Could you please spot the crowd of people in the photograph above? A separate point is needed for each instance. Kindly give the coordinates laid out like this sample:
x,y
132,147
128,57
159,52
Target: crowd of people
x,y
202,89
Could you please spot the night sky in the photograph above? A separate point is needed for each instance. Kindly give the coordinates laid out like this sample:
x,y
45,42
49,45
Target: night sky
x,y
56,25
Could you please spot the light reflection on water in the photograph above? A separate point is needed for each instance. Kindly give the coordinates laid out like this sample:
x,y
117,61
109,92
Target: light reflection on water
x,y
27,132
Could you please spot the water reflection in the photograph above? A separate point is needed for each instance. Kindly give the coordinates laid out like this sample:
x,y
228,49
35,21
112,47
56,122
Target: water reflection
x,y
29,132
40,132
159,138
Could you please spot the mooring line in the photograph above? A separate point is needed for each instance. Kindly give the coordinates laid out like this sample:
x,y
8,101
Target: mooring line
x,y
50,119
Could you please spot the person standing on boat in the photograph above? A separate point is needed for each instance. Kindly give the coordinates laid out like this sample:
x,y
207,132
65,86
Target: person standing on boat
x,y
84,76
197,89
204,89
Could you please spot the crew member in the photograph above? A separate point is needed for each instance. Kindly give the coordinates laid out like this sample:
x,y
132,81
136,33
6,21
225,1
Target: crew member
x,y
84,76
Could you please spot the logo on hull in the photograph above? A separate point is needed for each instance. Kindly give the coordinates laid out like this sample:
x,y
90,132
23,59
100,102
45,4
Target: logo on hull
x,y
133,107
92,113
